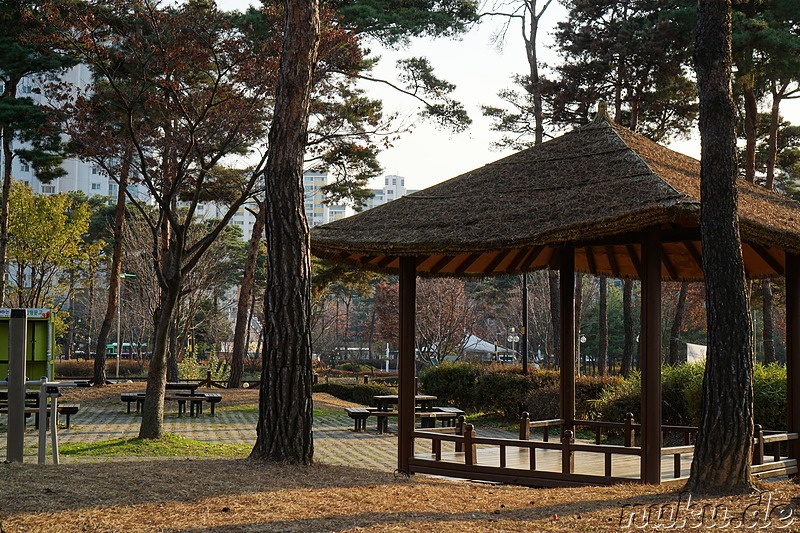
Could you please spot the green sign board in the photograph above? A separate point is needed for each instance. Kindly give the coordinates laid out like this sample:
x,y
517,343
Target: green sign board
x,y
39,348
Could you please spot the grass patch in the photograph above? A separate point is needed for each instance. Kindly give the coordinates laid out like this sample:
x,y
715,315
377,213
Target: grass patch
x,y
167,446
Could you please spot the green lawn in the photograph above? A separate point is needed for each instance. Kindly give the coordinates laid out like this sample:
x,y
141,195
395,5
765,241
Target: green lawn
x,y
168,446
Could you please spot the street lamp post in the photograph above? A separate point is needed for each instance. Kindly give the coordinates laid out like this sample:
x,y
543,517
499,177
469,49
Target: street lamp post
x,y
582,339
513,338
119,319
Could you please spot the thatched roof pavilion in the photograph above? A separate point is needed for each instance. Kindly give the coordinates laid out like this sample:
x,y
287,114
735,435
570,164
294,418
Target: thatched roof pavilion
x,y
602,200
594,187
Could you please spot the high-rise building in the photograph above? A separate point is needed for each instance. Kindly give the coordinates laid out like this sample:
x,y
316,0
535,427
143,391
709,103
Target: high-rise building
x,y
393,188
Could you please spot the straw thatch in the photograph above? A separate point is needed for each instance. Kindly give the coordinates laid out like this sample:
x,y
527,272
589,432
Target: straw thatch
x,y
594,188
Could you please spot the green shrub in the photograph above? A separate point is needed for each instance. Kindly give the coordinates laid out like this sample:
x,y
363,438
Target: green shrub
x,y
769,396
355,367
615,402
543,403
502,392
587,391
453,383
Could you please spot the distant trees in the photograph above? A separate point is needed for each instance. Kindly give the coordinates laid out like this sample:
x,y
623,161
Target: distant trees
x,y
47,254
24,55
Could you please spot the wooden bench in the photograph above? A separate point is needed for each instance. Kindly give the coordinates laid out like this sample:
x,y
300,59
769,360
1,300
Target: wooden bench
x,y
359,415
130,397
67,409
448,416
195,401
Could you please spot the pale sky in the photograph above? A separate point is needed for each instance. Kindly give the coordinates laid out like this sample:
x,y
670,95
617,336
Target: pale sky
x,y
479,70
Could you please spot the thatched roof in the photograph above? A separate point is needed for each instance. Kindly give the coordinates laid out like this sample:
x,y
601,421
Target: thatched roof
x,y
594,188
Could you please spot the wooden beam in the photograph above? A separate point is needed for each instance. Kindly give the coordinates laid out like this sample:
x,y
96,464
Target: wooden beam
x,y
468,262
440,264
773,263
532,257
522,253
590,260
637,265
650,334
612,260
496,261
567,336
695,253
406,363
669,265
793,349
386,261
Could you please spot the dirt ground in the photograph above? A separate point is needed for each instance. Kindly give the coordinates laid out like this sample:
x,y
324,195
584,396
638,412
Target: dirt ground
x,y
241,495
246,496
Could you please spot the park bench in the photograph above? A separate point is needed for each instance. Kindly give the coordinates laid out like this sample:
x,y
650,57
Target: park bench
x,y
195,401
448,416
67,409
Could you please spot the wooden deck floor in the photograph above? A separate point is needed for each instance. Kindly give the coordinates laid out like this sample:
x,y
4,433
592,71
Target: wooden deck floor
x,y
550,461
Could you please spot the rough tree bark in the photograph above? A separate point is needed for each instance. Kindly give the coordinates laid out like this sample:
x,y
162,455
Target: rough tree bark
x,y
240,336
285,408
721,462
99,377
677,324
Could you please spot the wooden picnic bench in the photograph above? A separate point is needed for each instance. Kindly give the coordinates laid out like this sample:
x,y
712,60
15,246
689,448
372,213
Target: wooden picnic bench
x,y
195,401
448,416
67,409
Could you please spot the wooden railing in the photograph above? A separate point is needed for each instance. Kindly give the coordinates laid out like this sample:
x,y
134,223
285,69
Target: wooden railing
x,y
465,440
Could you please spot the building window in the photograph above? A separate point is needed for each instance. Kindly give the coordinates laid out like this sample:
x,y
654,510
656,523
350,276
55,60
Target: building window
x,y
26,183
24,167
96,186
394,181
94,170
390,191
27,89
48,189
239,222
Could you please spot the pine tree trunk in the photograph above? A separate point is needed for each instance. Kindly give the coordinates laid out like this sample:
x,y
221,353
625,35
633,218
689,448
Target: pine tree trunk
x,y
602,341
627,325
772,143
99,378
285,406
721,462
677,324
240,336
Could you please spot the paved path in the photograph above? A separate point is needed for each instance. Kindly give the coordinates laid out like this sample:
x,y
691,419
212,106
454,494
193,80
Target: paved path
x,y
335,442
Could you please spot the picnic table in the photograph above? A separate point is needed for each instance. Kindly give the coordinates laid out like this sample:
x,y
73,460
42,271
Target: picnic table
x,y
175,385
423,401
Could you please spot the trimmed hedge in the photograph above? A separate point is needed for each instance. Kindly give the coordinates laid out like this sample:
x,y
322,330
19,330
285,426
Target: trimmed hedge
x,y
354,393
83,368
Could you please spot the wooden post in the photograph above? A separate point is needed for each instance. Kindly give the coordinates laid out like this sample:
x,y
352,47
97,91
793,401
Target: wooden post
x,y
793,350
630,438
406,363
758,448
525,426
567,455
567,336
460,427
470,449
650,340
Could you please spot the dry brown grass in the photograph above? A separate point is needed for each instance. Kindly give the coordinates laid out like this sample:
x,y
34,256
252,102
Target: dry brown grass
x,y
108,396
247,496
